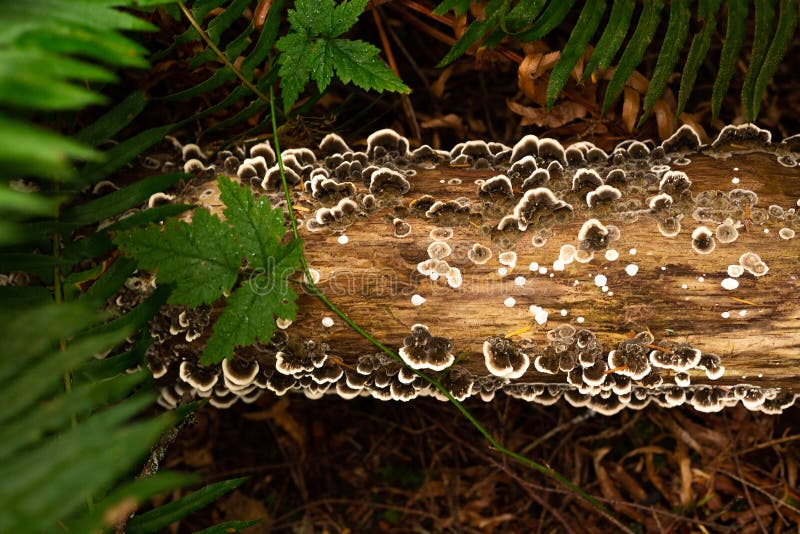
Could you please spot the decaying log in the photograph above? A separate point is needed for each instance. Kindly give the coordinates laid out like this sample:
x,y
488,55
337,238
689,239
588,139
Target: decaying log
x,y
665,274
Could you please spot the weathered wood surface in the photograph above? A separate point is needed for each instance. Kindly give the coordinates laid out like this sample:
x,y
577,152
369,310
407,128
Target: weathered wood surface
x,y
675,293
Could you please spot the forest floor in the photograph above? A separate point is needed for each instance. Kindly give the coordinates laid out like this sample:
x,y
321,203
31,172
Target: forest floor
x,y
369,466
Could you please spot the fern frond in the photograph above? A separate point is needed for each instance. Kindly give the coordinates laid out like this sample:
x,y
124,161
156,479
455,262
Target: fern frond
x,y
707,13
677,31
555,13
787,25
619,21
634,52
584,30
765,15
734,37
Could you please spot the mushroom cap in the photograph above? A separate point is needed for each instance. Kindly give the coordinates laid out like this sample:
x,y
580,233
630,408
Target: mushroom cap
x,y
503,358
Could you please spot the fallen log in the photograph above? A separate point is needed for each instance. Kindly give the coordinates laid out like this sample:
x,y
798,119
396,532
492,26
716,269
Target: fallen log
x,y
664,274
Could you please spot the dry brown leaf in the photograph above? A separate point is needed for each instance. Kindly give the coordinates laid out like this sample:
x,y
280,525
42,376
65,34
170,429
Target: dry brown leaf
x,y
685,465
438,87
532,67
665,119
556,117
280,415
630,108
451,121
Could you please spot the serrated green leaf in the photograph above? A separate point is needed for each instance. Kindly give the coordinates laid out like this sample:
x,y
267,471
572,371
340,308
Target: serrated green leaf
x,y
251,310
310,51
764,15
258,227
619,21
160,518
707,12
200,259
634,52
584,30
677,31
294,71
345,15
787,25
358,62
555,13
734,38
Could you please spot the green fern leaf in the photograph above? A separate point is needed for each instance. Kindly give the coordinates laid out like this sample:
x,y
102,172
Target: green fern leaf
x,y
787,25
160,518
734,37
474,32
199,258
358,62
617,28
707,12
584,30
251,310
458,6
765,15
677,30
634,52
550,19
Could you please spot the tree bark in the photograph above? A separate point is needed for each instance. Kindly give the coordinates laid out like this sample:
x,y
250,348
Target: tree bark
x,y
641,282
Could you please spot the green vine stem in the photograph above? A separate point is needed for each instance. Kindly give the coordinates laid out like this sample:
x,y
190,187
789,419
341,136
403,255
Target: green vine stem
x,y
314,290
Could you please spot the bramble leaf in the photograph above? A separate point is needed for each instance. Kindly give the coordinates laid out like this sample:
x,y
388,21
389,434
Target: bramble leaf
x,y
201,258
311,51
251,311
358,62
258,226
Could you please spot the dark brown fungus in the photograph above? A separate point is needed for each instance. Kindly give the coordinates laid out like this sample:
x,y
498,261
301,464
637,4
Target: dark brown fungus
x,y
503,358
742,133
674,182
540,207
539,178
388,182
527,146
497,187
386,142
703,240
586,180
333,144
605,194
684,140
421,350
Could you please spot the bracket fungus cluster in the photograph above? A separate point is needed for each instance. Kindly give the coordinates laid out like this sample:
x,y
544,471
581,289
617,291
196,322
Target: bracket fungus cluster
x,y
552,258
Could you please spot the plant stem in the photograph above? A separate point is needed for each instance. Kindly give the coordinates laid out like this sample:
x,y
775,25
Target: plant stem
x,y
312,287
